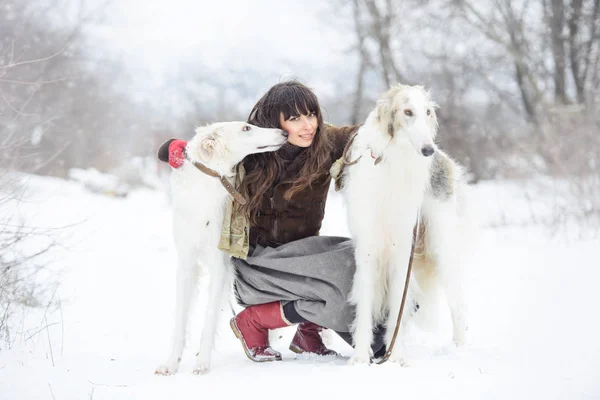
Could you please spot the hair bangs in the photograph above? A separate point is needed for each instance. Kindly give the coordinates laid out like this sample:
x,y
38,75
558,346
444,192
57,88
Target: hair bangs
x,y
298,101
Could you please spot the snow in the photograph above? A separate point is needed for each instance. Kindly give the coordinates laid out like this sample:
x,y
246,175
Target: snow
x,y
532,300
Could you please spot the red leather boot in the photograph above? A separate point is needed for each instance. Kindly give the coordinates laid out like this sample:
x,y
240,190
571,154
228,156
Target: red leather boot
x,y
252,326
308,340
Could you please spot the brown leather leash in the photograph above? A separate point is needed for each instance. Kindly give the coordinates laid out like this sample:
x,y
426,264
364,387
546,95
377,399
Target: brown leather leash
x,y
347,148
226,184
388,352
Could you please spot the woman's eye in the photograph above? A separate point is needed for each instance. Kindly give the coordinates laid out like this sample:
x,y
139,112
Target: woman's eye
x,y
246,128
293,119
313,114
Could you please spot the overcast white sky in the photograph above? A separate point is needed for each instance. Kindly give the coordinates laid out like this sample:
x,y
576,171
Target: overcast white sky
x,y
275,39
254,34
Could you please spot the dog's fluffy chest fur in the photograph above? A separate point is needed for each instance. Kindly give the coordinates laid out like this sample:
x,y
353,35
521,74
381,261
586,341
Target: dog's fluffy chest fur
x,y
382,187
198,206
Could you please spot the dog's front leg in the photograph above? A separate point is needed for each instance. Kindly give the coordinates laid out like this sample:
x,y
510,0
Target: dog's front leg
x,y
186,289
397,280
220,287
362,295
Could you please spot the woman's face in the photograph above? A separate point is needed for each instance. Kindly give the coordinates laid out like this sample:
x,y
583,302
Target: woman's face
x,y
301,129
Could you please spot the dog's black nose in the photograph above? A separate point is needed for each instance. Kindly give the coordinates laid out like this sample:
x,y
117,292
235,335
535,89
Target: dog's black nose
x,y
284,133
427,151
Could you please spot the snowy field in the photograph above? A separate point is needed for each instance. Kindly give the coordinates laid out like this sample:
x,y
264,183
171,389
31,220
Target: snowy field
x,y
534,330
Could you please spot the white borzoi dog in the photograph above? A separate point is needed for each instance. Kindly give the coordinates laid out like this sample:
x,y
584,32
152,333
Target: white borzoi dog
x,y
199,201
383,199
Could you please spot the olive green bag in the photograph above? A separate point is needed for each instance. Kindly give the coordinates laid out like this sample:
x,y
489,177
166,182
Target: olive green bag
x,y
235,229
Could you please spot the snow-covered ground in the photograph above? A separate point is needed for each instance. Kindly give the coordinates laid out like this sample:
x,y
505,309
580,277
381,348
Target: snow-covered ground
x,y
533,333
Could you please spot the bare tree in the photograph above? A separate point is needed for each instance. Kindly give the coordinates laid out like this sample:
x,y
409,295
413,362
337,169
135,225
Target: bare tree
x,y
21,262
65,109
364,62
33,99
529,32
381,29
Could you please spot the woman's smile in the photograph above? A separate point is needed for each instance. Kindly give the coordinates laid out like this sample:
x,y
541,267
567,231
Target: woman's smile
x,y
301,129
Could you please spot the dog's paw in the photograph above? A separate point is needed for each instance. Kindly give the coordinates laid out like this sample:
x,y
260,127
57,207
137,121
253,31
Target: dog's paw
x,y
460,338
398,359
398,356
358,359
202,364
201,369
166,370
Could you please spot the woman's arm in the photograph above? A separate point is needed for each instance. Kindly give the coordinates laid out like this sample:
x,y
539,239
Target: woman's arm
x,y
339,136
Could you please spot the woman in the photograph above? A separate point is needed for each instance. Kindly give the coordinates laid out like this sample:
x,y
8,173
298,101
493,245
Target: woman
x,y
291,275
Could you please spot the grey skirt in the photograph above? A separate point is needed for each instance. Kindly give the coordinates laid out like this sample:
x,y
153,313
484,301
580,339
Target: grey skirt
x,y
315,272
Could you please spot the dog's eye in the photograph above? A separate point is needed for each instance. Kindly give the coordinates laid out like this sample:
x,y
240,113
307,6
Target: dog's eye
x,y
428,112
246,128
408,112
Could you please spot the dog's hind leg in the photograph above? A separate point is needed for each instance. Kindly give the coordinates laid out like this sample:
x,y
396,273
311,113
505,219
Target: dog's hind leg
x,y
186,290
451,279
219,289
445,243
457,304
363,296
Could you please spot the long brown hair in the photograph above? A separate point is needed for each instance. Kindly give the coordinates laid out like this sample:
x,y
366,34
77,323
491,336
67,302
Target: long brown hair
x,y
291,98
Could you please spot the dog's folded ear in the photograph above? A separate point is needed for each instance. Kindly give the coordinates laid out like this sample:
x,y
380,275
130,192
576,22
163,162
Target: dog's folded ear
x,y
206,148
163,151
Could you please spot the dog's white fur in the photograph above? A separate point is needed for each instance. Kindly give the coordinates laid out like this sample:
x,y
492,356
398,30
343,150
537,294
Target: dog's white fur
x,y
383,201
198,206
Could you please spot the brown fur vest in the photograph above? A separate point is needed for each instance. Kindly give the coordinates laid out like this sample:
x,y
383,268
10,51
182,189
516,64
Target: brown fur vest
x,y
280,221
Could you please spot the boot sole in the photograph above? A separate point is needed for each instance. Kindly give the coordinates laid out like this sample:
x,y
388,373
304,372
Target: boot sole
x,y
238,334
296,349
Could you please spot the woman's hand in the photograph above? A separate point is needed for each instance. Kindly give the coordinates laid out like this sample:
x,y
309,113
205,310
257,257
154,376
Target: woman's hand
x,y
177,153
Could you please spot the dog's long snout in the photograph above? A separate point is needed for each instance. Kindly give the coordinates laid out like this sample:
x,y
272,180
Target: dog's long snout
x,y
427,150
